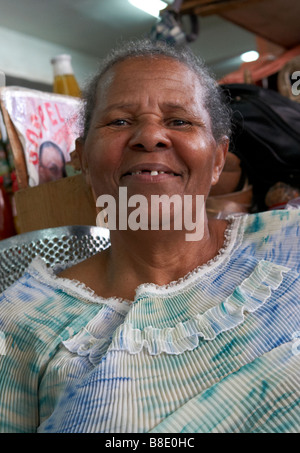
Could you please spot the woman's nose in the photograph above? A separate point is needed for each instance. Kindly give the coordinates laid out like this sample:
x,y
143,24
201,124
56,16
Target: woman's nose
x,y
149,137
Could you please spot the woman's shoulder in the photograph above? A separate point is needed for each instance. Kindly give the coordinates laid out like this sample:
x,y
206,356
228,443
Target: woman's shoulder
x,y
273,235
39,307
30,287
40,290
275,221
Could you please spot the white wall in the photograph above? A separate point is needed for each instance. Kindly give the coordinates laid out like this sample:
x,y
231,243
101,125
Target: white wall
x,y
29,58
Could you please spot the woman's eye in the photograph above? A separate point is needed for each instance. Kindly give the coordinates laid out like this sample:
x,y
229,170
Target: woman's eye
x,y
118,122
179,122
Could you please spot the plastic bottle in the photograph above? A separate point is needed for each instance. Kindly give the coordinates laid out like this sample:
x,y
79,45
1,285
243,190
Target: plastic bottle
x,y
64,79
7,228
2,79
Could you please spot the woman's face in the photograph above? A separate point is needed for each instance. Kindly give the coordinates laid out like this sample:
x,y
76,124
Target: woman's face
x,y
151,133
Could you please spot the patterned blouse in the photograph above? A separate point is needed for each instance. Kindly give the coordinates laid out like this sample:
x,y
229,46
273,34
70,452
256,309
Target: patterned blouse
x,y
216,351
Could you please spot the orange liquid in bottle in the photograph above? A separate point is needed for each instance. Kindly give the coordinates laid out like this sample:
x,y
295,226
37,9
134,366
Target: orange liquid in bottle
x,y
66,84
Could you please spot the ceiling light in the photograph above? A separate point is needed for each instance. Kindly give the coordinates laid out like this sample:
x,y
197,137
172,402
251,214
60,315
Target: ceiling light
x,y
149,6
252,55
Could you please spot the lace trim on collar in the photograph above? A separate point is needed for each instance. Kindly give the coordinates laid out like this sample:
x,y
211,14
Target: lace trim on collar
x,y
39,270
95,339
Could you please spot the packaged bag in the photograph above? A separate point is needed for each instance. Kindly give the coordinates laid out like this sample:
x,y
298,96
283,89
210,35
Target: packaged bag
x,y
266,137
169,28
46,123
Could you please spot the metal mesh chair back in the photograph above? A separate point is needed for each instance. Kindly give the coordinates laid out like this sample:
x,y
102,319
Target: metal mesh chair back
x,y
62,245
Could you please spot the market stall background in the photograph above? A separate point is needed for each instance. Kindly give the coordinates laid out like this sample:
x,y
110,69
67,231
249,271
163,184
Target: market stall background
x,y
87,29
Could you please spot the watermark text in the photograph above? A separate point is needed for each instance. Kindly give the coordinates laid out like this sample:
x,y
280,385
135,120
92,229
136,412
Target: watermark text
x,y
164,213
296,84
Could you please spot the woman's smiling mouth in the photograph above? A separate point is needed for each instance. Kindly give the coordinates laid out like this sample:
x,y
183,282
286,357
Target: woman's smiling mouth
x,y
150,172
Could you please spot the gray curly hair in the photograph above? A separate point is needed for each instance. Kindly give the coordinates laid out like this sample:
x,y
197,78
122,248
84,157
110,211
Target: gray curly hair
x,y
214,101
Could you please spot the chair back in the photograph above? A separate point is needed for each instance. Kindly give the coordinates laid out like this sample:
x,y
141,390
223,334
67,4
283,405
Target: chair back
x,y
65,245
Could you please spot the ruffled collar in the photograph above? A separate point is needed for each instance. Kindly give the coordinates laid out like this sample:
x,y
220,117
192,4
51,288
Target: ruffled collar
x,y
250,295
133,331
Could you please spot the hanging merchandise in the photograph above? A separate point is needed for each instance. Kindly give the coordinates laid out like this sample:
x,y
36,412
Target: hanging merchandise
x,y
64,78
7,228
266,138
4,164
170,28
15,188
5,168
47,125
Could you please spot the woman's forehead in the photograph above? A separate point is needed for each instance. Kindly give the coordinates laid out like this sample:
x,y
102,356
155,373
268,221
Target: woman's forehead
x,y
145,71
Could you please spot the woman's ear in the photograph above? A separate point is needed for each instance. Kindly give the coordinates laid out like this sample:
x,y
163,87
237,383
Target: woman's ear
x,y
221,153
79,148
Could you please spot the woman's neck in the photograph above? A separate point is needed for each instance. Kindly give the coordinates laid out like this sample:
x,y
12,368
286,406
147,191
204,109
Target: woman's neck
x,y
153,257
160,257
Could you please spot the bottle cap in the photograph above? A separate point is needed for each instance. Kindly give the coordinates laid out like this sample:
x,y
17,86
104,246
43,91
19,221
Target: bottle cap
x,y
62,64
61,57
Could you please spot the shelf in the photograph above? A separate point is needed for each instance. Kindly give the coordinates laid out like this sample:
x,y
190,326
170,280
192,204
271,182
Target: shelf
x,y
274,20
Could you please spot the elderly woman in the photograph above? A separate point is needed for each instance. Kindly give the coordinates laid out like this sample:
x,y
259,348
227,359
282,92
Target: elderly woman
x,y
158,333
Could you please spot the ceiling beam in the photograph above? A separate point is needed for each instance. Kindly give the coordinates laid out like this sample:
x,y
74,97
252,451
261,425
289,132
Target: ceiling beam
x,y
210,7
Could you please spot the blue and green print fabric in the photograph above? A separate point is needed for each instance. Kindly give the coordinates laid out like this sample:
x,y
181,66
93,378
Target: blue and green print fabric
x,y
216,351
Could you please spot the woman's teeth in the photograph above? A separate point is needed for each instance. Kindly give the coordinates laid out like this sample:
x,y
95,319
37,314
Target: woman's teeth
x,y
152,173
